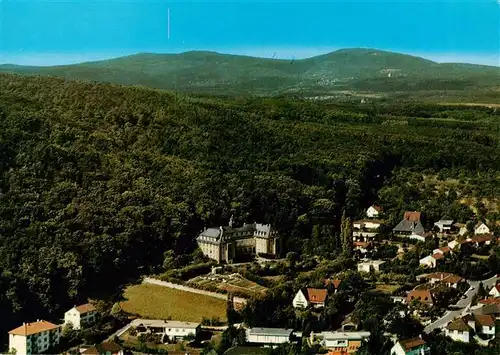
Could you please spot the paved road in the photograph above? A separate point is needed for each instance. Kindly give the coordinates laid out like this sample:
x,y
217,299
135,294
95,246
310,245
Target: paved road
x,y
149,280
462,303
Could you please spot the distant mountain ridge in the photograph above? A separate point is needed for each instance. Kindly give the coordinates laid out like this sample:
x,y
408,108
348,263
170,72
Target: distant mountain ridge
x,y
211,72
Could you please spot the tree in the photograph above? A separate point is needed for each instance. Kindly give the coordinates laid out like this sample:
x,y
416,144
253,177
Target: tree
x,y
346,234
292,258
481,292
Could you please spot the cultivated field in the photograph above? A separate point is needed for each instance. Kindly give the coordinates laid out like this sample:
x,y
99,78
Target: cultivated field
x,y
158,302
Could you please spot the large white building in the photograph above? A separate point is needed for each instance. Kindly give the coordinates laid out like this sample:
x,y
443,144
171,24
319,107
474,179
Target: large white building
x,y
366,266
348,342
81,316
34,338
268,336
224,244
170,328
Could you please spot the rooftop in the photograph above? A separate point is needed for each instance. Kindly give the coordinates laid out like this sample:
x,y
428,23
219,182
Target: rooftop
x,y
270,331
409,344
316,295
85,308
344,335
157,323
371,262
458,325
33,328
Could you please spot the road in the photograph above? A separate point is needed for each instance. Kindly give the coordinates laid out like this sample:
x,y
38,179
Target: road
x,y
119,332
462,303
149,280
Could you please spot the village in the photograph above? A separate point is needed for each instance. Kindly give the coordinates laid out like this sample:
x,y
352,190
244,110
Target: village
x,y
464,309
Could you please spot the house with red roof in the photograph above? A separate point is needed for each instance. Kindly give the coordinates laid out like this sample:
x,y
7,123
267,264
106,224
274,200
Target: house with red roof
x,y
495,291
314,297
34,338
81,316
414,346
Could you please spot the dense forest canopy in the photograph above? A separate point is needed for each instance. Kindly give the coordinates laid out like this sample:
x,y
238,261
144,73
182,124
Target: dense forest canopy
x,y
97,181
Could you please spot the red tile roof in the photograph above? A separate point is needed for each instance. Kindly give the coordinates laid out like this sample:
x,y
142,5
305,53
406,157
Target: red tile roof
x,y
316,295
445,249
85,308
484,320
445,277
409,344
412,216
33,328
438,256
495,300
424,296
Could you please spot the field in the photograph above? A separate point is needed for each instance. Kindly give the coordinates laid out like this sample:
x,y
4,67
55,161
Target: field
x,y
387,288
158,302
173,349
229,283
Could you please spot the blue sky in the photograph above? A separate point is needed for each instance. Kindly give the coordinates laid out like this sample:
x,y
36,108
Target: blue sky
x,y
57,32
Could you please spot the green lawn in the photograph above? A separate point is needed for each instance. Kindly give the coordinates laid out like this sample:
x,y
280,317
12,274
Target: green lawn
x,y
246,350
158,302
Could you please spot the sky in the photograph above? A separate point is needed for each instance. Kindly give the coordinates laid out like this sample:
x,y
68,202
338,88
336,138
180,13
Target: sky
x,y
49,32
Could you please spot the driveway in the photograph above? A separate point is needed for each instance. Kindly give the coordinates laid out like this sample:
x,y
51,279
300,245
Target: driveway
x,y
462,303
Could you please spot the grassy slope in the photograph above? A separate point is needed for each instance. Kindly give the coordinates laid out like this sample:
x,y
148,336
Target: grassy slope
x,y
359,69
157,302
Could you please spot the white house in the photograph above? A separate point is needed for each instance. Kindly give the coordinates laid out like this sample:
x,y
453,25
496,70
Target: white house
x,y
482,324
34,338
342,341
315,297
431,260
481,228
366,265
422,237
495,291
374,211
268,336
414,346
80,316
445,278
458,330
170,328
444,225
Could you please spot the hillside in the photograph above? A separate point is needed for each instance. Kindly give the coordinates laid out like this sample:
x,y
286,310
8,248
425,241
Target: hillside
x,y
98,180
359,70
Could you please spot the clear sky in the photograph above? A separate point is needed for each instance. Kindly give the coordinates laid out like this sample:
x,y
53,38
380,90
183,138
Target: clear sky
x,y
55,32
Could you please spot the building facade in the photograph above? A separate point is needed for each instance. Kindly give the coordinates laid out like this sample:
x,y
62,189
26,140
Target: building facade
x,y
268,336
34,338
225,244
170,329
81,316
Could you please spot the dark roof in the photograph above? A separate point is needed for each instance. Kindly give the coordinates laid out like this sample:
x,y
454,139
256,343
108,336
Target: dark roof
x,y
458,325
409,226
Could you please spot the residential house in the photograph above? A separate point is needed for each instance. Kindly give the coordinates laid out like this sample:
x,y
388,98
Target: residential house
x,y
333,284
366,229
489,306
268,336
374,211
420,236
170,329
363,247
431,261
461,227
81,316
450,280
314,297
347,342
34,338
223,244
458,330
410,224
495,291
414,346
444,225
442,250
423,296
480,240
106,348
462,328
481,228
366,266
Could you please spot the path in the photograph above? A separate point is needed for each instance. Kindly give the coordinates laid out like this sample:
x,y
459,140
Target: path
x,y
120,332
462,303
149,280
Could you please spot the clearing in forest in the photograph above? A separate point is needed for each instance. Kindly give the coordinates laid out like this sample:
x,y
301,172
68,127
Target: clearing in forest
x,y
158,302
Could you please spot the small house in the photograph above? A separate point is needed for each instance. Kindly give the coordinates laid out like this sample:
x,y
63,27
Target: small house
x,y
431,261
374,211
481,228
81,316
314,297
414,346
170,329
366,266
423,296
106,348
348,342
450,280
444,225
495,291
410,224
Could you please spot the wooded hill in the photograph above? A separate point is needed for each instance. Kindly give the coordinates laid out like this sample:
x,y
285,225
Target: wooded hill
x,y
98,180
347,70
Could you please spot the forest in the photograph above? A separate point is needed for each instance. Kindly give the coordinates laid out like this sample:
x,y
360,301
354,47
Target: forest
x,y
98,181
